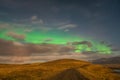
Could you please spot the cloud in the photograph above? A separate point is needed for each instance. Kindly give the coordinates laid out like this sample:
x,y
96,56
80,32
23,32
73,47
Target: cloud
x,y
30,20
38,21
45,29
16,52
5,47
8,48
106,43
14,59
18,44
45,49
66,30
66,49
11,47
4,25
89,44
91,55
20,52
35,20
67,26
55,57
28,30
115,49
47,40
16,35
29,59
40,58
17,49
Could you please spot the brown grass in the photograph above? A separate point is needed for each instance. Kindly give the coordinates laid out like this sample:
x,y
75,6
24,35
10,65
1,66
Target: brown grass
x,y
45,71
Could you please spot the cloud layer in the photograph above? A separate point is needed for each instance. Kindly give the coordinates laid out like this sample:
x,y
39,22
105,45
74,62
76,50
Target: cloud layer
x,y
16,52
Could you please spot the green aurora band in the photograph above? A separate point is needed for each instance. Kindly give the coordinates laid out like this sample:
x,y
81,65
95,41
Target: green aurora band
x,y
58,37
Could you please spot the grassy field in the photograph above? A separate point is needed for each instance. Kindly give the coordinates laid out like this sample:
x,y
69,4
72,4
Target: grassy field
x,y
54,69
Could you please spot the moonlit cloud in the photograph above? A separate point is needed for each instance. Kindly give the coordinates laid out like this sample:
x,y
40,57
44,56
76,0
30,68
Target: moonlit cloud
x,y
45,29
16,35
28,30
67,26
35,20
4,25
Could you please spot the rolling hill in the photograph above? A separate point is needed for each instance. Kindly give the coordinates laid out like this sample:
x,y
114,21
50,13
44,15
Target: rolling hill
x,y
64,69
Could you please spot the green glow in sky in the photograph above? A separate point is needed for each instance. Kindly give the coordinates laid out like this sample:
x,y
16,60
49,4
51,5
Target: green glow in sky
x,y
58,37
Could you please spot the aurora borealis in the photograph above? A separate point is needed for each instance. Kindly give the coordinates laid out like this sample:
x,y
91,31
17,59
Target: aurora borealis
x,y
52,29
57,37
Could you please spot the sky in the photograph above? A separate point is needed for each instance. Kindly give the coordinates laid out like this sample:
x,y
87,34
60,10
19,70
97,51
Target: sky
x,y
80,27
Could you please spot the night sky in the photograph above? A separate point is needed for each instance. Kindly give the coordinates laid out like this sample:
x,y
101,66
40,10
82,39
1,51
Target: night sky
x,y
92,25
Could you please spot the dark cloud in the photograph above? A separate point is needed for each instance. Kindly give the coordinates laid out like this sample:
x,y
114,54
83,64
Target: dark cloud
x,y
10,48
19,52
19,49
115,49
89,44
106,43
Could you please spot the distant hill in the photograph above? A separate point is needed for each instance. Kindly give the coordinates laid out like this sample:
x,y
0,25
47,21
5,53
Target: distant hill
x,y
64,69
112,60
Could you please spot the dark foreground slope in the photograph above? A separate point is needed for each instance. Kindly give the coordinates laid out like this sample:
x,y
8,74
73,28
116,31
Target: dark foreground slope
x,y
65,69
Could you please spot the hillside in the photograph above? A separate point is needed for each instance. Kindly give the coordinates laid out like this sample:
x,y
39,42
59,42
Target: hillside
x,y
64,69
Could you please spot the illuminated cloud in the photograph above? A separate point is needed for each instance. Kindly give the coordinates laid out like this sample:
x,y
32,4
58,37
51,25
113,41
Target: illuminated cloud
x,y
4,25
28,30
14,59
67,26
66,30
45,29
49,57
35,20
18,44
16,35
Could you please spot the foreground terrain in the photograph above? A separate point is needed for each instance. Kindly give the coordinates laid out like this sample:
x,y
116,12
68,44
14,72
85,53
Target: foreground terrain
x,y
65,69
